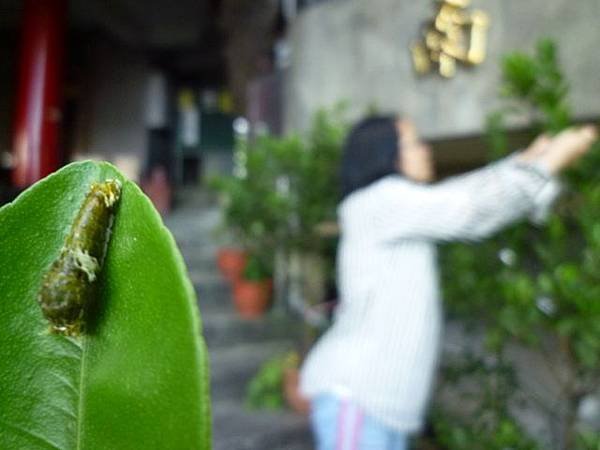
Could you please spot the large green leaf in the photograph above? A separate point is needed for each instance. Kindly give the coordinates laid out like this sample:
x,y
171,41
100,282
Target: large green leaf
x,y
138,379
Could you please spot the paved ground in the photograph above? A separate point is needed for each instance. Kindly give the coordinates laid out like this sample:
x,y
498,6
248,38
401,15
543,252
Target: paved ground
x,y
237,347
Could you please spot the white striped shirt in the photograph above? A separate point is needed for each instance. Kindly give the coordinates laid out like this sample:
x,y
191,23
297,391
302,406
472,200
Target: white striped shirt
x,y
382,348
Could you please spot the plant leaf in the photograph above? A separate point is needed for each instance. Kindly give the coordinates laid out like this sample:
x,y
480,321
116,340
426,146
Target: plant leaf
x,y
138,377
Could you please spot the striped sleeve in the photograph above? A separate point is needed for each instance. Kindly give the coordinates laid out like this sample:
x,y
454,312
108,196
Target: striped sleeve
x,y
468,207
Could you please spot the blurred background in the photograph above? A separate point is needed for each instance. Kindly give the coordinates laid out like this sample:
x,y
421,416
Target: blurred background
x,y
231,115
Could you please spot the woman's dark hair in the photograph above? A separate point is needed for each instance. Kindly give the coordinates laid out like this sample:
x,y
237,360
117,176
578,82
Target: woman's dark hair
x,y
370,153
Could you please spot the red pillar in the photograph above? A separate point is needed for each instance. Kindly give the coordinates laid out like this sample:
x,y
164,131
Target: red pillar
x,y
38,109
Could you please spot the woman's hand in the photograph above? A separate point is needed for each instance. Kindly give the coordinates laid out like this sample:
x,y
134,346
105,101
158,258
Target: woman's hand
x,y
559,152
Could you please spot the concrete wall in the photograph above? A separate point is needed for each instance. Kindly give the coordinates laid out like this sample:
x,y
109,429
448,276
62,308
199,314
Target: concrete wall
x,y
358,50
110,122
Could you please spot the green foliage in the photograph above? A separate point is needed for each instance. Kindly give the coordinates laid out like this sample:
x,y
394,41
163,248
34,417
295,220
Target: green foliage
x,y
255,211
501,436
319,184
588,440
542,278
265,390
257,269
285,187
538,81
529,283
496,139
484,421
138,376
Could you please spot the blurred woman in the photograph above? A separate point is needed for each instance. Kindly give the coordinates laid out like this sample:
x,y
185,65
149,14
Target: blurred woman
x,y
369,377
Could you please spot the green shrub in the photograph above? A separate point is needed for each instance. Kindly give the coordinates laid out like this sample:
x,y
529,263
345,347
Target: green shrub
x,y
535,285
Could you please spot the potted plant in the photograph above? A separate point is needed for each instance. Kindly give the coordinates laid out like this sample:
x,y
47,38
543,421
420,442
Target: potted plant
x,y
231,257
254,212
252,291
231,262
315,185
264,391
276,384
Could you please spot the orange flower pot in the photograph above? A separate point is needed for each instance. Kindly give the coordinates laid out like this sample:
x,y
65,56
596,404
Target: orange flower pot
x,y
231,262
252,298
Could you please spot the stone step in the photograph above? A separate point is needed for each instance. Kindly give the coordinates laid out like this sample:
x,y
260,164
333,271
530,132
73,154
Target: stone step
x,y
202,241
237,347
208,311
198,239
209,277
194,207
193,228
201,264
232,368
236,428
222,329
199,197
214,297
201,260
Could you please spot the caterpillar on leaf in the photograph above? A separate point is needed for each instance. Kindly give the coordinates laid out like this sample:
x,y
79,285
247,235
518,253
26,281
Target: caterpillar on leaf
x,y
68,287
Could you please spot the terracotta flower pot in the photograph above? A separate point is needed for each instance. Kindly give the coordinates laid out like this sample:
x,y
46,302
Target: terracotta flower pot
x,y
231,263
252,298
293,397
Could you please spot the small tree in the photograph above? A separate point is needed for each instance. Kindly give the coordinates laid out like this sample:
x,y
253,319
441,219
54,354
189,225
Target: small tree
x,y
286,186
283,190
539,286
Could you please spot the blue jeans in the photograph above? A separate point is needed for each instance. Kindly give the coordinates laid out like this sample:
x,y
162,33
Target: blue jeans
x,y
339,424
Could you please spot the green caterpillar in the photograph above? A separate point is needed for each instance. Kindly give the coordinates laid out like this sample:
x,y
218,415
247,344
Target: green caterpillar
x,y
68,287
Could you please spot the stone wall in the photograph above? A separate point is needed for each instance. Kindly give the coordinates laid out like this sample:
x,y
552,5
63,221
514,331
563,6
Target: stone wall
x,y
358,50
110,119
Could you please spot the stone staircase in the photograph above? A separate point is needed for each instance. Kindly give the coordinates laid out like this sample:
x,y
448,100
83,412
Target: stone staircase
x,y
237,347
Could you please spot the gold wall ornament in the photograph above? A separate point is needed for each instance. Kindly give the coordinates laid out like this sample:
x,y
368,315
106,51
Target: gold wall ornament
x,y
454,35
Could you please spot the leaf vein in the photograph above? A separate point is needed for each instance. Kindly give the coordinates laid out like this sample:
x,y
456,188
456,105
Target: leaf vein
x,y
65,381
81,399
41,439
